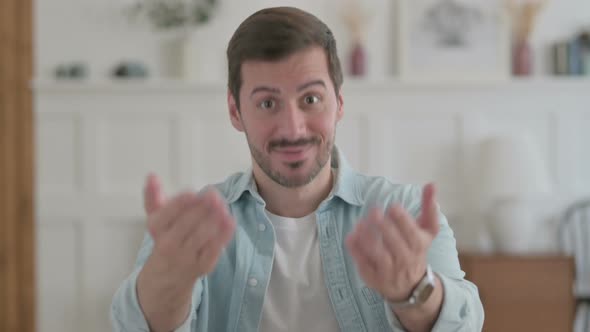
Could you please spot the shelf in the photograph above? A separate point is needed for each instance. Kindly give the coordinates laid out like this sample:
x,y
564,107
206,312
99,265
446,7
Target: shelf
x,y
351,85
125,86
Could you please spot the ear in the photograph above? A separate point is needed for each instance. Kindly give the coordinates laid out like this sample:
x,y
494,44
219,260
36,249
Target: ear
x,y
340,109
234,113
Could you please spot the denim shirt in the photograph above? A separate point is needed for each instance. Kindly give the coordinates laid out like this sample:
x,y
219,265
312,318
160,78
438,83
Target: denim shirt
x,y
231,297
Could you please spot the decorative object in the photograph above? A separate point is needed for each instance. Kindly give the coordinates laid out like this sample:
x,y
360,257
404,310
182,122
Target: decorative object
x,y
358,60
179,23
170,14
575,58
524,15
356,18
513,174
572,56
561,58
130,70
584,42
453,40
75,70
522,58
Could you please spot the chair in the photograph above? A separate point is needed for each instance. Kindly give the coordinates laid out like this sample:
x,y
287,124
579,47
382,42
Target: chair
x,y
574,237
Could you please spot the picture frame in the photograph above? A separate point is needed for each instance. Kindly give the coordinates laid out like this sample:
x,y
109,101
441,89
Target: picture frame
x,y
453,40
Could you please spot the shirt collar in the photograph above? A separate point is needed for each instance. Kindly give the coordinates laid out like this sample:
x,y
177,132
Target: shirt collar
x,y
345,186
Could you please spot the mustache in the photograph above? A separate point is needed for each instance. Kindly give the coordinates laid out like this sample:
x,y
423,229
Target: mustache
x,y
284,143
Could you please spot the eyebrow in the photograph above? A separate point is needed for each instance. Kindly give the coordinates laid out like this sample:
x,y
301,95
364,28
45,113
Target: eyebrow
x,y
312,83
263,89
278,91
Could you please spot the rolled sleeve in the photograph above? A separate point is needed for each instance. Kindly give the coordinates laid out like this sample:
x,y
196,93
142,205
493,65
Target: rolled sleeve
x,y
186,325
126,313
394,323
461,309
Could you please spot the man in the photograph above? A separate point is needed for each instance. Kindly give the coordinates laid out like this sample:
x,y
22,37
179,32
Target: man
x,y
300,242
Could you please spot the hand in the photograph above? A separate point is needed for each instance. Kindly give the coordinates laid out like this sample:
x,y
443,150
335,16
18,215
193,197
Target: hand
x,y
390,249
189,231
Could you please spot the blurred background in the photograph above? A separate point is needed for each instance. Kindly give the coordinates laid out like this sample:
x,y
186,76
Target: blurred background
x,y
489,99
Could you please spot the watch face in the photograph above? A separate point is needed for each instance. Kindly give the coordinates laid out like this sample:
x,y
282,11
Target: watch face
x,y
425,293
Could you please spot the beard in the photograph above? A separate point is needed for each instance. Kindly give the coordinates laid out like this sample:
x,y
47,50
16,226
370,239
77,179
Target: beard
x,y
264,161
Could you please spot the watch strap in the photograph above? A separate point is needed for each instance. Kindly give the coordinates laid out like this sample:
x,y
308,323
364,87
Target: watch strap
x,y
414,299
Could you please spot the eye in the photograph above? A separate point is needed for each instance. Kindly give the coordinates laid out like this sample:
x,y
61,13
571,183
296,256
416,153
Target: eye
x,y
310,100
267,104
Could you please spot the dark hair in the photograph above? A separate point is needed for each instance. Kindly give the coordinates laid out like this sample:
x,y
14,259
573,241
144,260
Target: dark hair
x,y
274,33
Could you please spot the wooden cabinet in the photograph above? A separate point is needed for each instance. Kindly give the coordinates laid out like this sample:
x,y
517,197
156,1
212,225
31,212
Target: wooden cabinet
x,y
523,293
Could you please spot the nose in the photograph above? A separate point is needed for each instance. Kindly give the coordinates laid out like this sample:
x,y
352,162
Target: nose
x,y
293,124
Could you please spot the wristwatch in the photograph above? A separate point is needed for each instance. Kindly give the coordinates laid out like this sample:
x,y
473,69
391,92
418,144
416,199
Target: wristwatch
x,y
421,292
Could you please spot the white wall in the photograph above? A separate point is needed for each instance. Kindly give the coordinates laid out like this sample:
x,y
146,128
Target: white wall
x,y
96,32
96,142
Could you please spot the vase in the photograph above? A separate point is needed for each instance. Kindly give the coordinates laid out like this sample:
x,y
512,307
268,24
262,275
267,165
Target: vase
x,y
171,53
522,58
203,57
190,55
358,61
191,58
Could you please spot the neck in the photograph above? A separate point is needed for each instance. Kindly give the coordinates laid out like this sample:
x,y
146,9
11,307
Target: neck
x,y
294,202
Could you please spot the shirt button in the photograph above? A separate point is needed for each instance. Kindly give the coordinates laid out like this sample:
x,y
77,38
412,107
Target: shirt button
x,y
261,227
253,282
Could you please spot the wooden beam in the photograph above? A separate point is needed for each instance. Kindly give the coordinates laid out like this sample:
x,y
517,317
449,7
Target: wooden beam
x,y
7,187
26,161
17,283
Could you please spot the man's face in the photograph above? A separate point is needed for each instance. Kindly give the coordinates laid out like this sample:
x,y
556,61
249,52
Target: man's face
x,y
288,111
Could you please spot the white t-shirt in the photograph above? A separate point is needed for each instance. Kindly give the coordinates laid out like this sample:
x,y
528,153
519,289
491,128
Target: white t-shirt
x,y
297,298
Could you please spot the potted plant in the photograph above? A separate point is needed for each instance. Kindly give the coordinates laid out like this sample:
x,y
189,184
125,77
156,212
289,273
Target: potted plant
x,y
177,21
